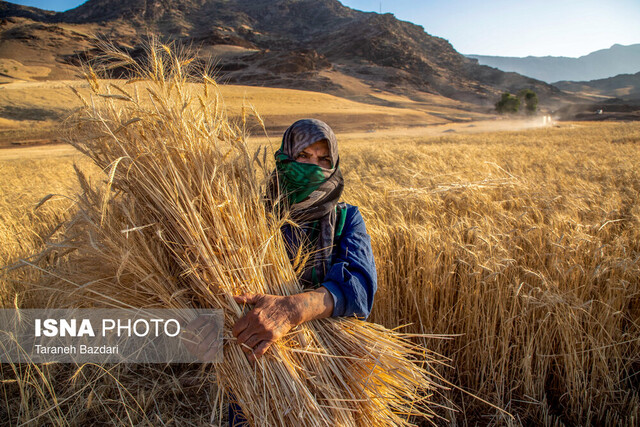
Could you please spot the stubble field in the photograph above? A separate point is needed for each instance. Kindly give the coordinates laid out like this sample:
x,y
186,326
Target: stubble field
x,y
522,247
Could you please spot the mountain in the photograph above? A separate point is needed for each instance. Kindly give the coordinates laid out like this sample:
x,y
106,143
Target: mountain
x,y
306,44
601,64
625,87
11,9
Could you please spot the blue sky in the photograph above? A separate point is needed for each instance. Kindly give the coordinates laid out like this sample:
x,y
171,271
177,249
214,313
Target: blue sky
x,y
502,27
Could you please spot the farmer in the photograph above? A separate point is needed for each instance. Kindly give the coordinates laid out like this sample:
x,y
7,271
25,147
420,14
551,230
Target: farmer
x,y
340,278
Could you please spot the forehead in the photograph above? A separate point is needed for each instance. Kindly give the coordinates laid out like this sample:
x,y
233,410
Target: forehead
x,y
321,145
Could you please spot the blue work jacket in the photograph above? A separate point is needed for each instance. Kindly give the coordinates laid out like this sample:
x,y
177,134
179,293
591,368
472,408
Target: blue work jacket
x,y
352,279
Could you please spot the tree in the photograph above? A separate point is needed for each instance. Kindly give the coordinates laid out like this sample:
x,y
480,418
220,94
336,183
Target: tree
x,y
530,100
508,104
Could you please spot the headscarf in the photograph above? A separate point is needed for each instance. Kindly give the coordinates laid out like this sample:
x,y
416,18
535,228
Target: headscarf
x,y
309,191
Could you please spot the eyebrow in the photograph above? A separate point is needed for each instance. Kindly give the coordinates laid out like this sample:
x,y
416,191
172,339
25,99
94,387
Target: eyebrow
x,y
328,156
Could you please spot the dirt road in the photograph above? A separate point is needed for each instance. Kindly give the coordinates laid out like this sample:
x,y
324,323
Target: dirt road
x,y
64,150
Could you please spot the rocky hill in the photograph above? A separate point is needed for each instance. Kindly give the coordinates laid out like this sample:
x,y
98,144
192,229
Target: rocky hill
x,y
600,64
306,44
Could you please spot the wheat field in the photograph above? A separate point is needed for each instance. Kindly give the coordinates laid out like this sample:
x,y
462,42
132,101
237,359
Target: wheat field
x,y
522,248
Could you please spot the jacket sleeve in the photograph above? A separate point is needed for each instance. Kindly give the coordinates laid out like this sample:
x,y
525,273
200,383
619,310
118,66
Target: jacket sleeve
x,y
352,278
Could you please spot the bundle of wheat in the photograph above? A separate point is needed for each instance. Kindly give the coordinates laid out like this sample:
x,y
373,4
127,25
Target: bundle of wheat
x,y
181,223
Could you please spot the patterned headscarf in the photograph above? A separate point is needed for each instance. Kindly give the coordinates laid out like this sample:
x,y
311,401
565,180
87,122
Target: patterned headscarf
x,y
305,132
310,191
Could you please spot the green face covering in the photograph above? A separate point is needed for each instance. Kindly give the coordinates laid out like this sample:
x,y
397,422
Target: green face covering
x,y
310,191
299,180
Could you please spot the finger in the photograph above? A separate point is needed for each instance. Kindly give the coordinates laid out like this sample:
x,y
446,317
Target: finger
x,y
206,337
240,326
189,336
246,349
245,335
193,330
260,350
247,298
210,345
241,299
189,340
253,341
197,323
210,334
212,353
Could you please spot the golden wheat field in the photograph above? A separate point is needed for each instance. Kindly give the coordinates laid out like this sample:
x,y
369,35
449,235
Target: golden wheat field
x,y
523,248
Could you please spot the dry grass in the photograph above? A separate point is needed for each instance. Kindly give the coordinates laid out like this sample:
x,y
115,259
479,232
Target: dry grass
x,y
527,245
523,245
26,223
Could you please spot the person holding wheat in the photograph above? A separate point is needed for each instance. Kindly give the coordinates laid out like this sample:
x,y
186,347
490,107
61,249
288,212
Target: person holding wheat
x,y
183,223
339,275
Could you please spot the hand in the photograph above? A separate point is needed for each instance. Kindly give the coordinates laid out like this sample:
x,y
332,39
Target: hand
x,y
201,338
274,316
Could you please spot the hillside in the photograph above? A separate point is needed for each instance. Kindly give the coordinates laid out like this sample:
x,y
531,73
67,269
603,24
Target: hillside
x,y
303,44
600,64
623,86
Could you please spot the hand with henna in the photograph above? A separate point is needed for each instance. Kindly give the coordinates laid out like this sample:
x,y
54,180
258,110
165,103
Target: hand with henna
x,y
274,316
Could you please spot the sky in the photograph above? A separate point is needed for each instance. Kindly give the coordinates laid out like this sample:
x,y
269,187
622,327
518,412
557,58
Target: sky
x,y
501,27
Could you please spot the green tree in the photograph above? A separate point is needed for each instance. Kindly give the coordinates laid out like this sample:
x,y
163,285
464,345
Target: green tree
x,y
530,100
508,104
